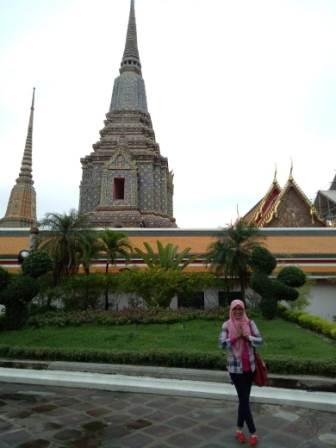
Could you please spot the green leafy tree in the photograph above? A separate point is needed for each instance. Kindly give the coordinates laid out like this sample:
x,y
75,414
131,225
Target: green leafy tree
x,y
64,239
116,245
230,255
157,287
165,257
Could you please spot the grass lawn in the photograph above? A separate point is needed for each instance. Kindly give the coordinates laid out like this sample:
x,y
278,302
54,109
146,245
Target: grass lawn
x,y
281,338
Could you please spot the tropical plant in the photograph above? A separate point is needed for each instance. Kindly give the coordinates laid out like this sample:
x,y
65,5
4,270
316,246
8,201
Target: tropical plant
x,y
115,244
230,255
90,251
166,257
64,239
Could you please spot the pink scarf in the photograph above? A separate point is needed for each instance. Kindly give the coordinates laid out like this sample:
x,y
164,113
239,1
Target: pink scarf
x,y
234,325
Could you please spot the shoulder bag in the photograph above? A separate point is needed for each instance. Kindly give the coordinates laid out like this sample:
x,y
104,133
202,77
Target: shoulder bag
x,y
260,373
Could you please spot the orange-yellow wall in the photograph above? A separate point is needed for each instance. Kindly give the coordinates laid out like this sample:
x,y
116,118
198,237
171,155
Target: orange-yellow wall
x,y
276,244
12,245
291,246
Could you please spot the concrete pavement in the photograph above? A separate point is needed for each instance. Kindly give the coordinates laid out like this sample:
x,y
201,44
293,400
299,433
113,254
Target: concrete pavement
x,y
59,405
323,401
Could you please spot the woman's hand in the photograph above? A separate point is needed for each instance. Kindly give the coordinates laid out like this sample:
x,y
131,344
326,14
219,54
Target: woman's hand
x,y
245,335
239,331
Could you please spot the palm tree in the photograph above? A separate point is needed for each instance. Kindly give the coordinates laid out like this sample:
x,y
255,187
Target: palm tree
x,y
167,257
230,255
115,244
64,240
90,251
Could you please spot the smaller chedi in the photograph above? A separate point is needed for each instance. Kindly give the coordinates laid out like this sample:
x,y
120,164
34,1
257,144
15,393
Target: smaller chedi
x,y
126,182
21,208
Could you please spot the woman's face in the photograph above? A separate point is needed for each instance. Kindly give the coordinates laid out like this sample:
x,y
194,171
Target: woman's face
x,y
237,312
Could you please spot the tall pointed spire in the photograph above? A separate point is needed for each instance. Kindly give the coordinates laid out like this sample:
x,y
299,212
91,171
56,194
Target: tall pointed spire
x,y
26,165
129,92
131,59
21,208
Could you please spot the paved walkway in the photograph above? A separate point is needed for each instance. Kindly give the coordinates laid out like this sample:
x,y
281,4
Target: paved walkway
x,y
41,416
322,401
45,416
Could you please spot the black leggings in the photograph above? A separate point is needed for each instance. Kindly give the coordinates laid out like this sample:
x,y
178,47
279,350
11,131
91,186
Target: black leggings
x,y
243,383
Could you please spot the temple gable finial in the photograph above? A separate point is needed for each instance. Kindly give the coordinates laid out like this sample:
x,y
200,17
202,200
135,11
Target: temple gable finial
x,y
275,175
291,171
131,59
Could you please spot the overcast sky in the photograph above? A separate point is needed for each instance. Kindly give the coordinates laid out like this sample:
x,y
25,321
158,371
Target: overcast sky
x,y
234,88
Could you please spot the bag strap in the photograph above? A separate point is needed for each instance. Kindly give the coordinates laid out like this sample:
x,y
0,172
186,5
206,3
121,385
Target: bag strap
x,y
252,334
250,323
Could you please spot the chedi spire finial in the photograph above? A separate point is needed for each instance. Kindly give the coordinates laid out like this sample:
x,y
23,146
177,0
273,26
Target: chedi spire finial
x,y
131,59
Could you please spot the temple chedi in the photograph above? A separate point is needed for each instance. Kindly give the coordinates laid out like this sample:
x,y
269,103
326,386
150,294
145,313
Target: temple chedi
x,y
21,208
126,182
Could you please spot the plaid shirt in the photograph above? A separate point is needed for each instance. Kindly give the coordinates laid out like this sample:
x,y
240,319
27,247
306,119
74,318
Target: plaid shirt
x,y
234,365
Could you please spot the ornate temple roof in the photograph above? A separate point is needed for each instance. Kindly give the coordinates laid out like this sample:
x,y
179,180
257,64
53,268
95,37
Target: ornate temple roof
x,y
325,203
286,207
260,213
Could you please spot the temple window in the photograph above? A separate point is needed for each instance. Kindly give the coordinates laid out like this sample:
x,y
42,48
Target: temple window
x,y
119,188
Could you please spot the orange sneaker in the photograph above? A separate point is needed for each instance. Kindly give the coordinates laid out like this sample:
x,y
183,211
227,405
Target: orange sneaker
x,y
253,440
240,437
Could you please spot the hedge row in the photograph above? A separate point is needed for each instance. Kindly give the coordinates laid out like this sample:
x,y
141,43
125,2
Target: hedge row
x,y
216,361
126,316
306,320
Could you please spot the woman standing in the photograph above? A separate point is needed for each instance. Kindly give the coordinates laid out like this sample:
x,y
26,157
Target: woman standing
x,y
239,336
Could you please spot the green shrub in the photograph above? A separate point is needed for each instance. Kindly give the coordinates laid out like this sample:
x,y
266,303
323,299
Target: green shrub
x,y
272,290
292,276
176,358
157,287
4,278
37,264
16,296
126,316
262,260
268,307
82,292
306,320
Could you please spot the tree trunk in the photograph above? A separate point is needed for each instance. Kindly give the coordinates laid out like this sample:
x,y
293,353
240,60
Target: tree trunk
x,y
242,286
106,289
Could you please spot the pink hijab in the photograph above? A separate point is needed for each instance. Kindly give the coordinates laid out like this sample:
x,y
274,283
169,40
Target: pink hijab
x,y
234,325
